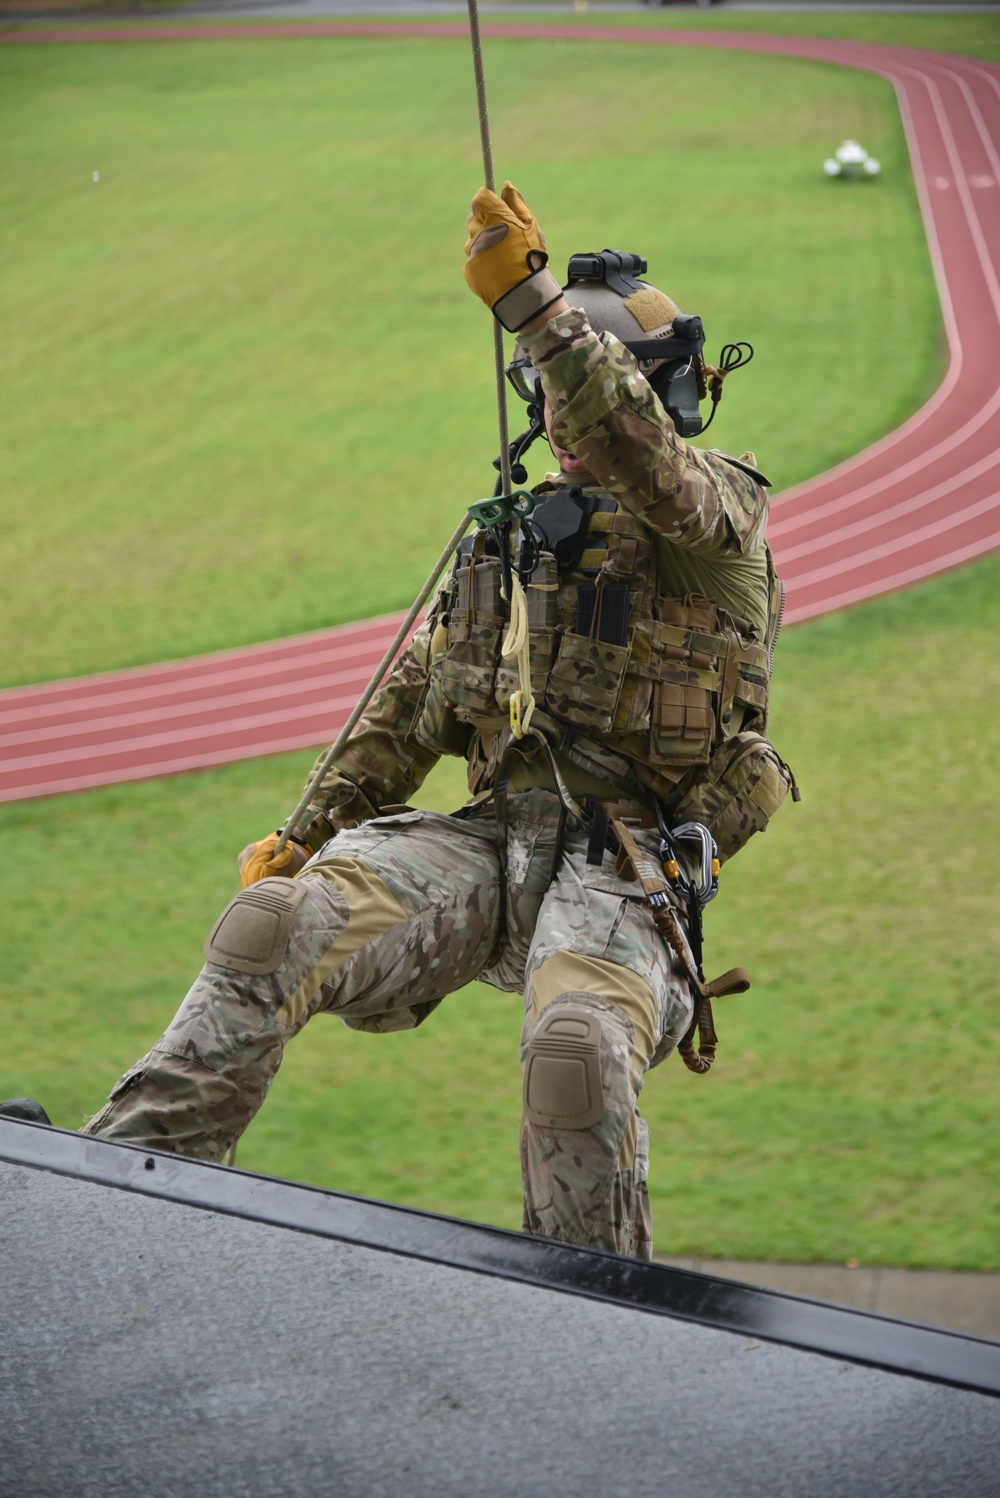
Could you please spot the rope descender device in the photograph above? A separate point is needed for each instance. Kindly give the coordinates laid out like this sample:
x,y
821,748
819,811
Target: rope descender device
x,y
503,509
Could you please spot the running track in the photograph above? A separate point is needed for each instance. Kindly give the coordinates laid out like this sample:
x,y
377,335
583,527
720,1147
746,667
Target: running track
x,y
920,501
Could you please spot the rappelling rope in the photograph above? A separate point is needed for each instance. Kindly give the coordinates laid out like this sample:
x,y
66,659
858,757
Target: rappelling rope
x,y
490,181
515,646
518,632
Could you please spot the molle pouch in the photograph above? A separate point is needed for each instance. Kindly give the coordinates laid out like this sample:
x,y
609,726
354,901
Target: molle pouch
x,y
688,659
542,597
752,685
467,673
682,724
586,681
737,793
477,584
541,649
692,612
602,612
542,594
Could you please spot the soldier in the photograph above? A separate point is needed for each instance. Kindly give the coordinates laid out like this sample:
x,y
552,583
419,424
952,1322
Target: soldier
x,y
652,610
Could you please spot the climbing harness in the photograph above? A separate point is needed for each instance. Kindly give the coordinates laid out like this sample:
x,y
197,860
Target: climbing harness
x,y
656,890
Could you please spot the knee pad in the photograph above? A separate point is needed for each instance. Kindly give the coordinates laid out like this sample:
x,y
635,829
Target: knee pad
x,y
251,935
562,1069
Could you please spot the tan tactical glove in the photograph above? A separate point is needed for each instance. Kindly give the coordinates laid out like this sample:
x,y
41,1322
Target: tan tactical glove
x,y
507,258
257,860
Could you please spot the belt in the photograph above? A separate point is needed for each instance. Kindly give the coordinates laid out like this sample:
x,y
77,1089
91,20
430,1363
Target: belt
x,y
632,813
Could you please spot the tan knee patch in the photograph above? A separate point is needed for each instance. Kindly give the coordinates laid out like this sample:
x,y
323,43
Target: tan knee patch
x,y
568,972
372,910
562,1073
251,934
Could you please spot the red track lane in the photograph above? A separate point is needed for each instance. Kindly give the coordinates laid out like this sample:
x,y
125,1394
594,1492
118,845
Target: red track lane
x,y
923,499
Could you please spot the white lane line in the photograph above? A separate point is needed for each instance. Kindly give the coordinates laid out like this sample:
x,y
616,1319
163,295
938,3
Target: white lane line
x,y
905,433
909,506
894,548
14,708
977,116
292,691
983,254
153,771
93,682
779,528
780,525
141,742
945,562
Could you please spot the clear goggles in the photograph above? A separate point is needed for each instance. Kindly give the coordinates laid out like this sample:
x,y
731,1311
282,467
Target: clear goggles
x,y
523,376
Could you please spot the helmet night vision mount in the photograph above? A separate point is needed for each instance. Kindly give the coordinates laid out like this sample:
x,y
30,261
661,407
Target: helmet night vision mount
x,y
667,343
670,360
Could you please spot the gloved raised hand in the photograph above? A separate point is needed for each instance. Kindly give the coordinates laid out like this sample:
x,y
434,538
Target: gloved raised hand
x,y
257,860
507,258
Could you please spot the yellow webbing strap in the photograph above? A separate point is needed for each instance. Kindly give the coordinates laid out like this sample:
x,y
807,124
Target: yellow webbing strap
x,y
515,647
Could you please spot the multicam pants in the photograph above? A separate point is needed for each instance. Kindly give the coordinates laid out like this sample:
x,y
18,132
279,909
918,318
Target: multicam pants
x,y
379,927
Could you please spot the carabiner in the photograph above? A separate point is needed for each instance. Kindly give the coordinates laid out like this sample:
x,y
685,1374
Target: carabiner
x,y
696,832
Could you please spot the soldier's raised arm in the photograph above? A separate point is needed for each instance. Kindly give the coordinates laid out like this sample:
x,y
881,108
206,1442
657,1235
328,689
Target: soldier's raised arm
x,y
601,405
603,409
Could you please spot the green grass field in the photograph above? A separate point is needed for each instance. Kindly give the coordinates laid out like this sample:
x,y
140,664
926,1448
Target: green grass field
x,y
247,355
246,389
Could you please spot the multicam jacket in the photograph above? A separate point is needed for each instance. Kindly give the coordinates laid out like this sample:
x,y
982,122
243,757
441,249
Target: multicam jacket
x,y
653,608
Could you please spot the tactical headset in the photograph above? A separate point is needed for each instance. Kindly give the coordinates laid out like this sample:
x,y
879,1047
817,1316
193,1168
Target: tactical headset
x,y
669,354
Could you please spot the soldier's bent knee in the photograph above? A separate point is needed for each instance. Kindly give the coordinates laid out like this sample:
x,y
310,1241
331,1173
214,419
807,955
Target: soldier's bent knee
x,y
562,1071
251,935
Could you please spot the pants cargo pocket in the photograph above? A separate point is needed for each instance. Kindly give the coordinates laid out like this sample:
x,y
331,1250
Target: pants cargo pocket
x,y
130,1079
125,1084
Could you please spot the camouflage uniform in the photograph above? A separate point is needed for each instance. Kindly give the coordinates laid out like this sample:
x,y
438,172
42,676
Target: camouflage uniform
x,y
398,908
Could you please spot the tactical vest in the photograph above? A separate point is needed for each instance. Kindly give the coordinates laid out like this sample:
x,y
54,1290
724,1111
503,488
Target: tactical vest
x,y
631,681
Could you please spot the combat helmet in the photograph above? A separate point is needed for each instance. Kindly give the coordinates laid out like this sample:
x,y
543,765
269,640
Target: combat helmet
x,y
667,343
